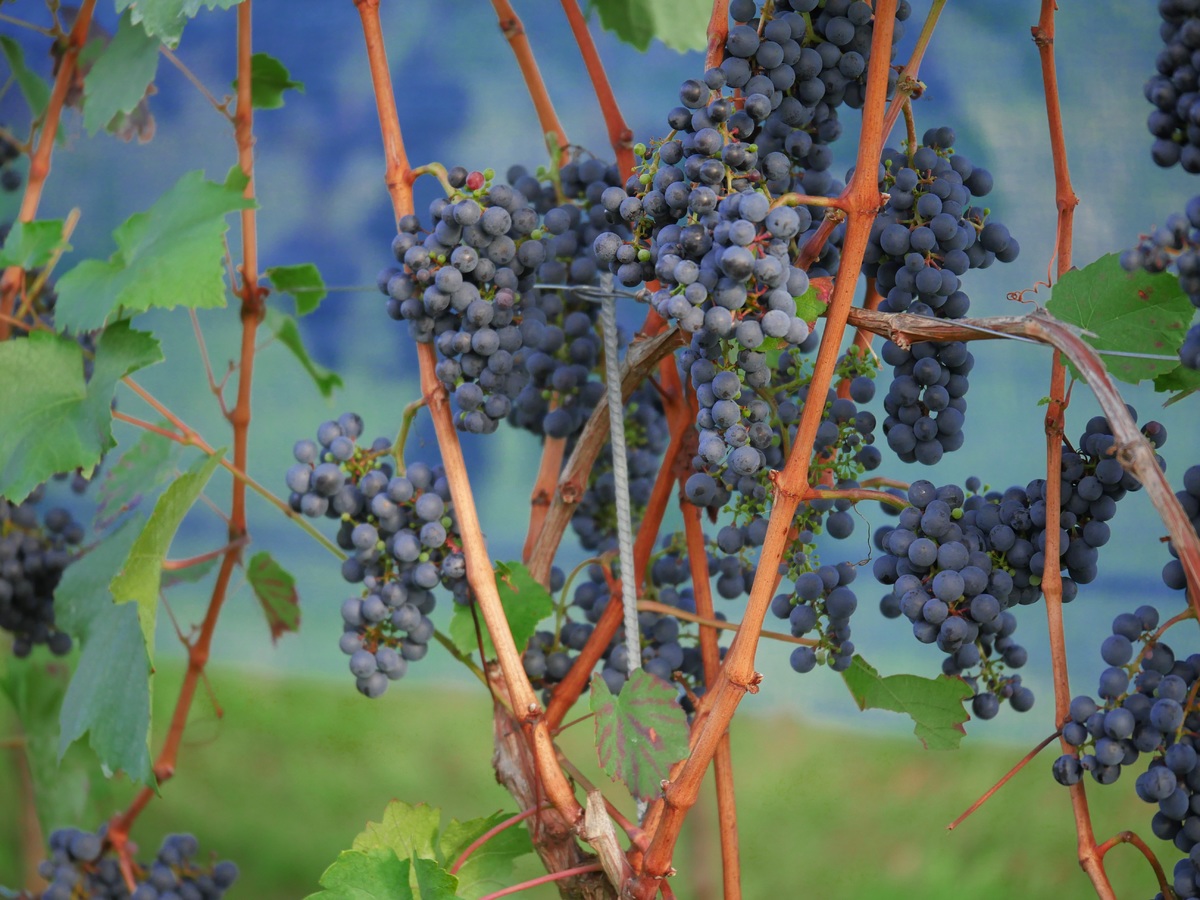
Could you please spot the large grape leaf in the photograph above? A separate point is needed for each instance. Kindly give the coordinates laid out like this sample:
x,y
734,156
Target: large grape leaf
x,y
141,576
525,602
269,78
30,245
139,471
406,830
489,867
1132,312
934,704
35,686
164,19
109,695
35,90
302,281
170,255
680,24
117,80
288,334
366,875
640,733
276,591
52,420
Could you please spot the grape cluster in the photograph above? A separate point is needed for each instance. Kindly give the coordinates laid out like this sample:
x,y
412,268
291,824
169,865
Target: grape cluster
x,y
402,534
924,239
80,865
1175,121
563,349
947,584
821,602
1147,706
1189,498
10,178
1176,244
36,546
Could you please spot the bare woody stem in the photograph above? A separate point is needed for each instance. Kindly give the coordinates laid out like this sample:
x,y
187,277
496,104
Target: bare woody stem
x,y
479,570
514,33
718,31
737,675
39,162
1129,837
239,418
987,795
619,134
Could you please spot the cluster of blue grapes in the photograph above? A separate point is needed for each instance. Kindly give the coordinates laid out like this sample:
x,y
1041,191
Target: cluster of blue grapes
x,y
945,581
646,439
36,546
80,866
821,602
925,238
563,348
1148,707
403,537
1175,244
1175,121
1189,498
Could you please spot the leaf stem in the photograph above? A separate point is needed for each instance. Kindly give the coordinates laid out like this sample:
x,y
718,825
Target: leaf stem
x,y
1025,760
491,833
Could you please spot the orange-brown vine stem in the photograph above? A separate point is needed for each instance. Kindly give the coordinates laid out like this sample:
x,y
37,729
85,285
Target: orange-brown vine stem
x,y
720,625
568,690
857,495
987,795
514,33
479,569
710,654
239,418
718,31
907,84
39,160
1129,837
862,339
553,450
620,136
1090,859
737,675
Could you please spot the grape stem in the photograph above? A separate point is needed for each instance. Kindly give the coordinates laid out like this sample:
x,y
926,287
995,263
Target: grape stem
x,y
491,833
239,418
987,795
514,32
1129,837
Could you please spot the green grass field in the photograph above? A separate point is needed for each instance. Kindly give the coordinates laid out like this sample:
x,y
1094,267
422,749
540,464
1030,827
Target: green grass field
x,y
296,767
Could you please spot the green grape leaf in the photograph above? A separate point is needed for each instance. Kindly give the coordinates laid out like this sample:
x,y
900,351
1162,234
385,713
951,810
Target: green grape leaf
x,y
164,19
269,78
303,282
525,602
640,732
140,579
53,420
1180,381
1132,312
137,473
434,882
35,90
406,830
109,695
934,704
170,255
288,334
31,245
117,81
35,686
276,591
680,24
366,875
489,867
810,305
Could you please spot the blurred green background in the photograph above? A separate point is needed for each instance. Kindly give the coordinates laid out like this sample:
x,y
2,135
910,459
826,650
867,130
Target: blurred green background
x,y
833,801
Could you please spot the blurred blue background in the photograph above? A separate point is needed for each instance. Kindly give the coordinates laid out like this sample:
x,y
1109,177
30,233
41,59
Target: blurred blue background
x,y
461,101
